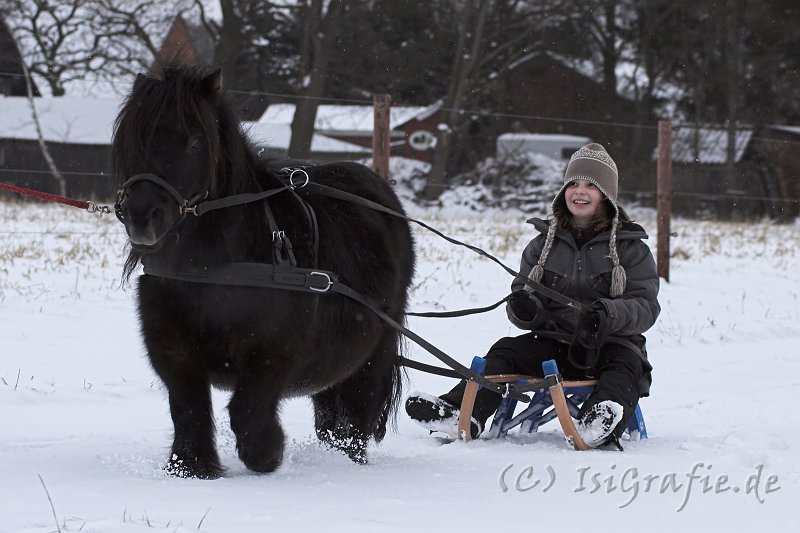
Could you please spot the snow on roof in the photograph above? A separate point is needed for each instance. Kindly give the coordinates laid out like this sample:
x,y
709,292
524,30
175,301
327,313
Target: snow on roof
x,y
711,145
64,119
91,121
794,130
279,135
342,118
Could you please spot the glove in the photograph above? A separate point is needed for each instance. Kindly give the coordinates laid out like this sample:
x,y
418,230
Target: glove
x,y
592,326
524,304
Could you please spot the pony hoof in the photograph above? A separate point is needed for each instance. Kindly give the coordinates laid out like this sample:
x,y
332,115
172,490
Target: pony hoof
x,y
262,465
359,457
353,447
179,468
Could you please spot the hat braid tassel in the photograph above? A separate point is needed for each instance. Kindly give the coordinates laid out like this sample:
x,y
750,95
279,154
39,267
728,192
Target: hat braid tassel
x,y
618,280
537,272
618,276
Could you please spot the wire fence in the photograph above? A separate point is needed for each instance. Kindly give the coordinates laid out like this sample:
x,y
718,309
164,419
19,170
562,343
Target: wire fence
x,y
484,113
769,181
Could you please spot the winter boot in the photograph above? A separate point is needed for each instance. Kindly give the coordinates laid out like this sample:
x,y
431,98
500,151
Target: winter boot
x,y
437,415
597,424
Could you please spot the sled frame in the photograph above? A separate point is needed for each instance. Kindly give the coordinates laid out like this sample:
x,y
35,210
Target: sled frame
x,y
552,398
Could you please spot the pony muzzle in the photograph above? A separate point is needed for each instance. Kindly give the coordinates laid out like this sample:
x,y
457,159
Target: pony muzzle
x,y
145,233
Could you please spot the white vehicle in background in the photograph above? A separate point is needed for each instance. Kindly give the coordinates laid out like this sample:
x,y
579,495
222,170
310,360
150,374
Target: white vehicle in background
x,y
557,146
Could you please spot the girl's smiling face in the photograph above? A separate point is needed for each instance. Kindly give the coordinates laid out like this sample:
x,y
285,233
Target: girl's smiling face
x,y
584,200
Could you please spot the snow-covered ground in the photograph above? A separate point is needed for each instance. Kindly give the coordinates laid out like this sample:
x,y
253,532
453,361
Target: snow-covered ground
x,y
85,427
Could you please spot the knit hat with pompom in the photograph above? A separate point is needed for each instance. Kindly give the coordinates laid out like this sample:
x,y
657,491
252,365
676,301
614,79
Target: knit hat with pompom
x,y
592,163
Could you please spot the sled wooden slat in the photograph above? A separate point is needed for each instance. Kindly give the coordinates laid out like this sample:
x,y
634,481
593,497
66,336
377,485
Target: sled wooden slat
x,y
556,393
468,400
564,416
465,414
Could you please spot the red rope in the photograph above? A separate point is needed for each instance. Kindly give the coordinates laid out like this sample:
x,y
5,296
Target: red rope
x,y
81,204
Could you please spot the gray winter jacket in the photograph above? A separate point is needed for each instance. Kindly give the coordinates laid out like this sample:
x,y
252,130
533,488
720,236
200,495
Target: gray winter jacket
x,y
585,275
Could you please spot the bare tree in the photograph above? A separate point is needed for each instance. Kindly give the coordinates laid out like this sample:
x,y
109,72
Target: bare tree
x,y
63,41
56,173
256,49
48,33
654,50
229,39
321,20
492,36
129,31
608,23
467,51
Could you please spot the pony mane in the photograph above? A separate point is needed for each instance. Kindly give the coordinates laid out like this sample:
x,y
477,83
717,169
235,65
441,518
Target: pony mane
x,y
185,92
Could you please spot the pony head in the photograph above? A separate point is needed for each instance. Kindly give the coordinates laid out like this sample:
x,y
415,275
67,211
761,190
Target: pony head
x,y
166,152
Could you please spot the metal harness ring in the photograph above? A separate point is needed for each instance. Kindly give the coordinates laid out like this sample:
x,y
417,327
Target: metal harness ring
x,y
294,171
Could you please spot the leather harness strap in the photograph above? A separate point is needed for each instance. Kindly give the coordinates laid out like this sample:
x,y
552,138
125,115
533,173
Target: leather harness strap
x,y
264,275
285,274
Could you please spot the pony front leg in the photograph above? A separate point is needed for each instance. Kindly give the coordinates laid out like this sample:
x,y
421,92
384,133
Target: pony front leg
x,y
194,452
254,420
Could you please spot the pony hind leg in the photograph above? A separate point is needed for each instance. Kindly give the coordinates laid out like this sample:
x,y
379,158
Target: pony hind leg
x,y
352,412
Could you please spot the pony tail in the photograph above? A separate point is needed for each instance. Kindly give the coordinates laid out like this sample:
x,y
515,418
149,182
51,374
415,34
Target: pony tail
x,y
392,388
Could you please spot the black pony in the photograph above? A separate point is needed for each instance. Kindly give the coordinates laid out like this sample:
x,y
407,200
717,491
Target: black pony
x,y
181,140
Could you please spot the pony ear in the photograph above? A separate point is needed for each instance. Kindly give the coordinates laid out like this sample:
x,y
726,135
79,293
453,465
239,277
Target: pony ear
x,y
212,84
140,78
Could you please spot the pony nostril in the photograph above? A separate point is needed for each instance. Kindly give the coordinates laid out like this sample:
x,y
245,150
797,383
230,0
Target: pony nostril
x,y
154,215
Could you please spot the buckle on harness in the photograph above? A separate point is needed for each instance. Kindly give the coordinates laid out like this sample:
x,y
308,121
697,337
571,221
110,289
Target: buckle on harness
x,y
189,207
326,278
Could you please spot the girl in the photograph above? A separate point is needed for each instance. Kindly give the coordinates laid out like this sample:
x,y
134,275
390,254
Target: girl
x,y
590,251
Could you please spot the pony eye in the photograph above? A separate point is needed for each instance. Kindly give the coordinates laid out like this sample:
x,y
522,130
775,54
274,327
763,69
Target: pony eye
x,y
196,146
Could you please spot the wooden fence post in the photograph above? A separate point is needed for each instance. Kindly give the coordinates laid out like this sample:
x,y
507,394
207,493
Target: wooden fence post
x,y
664,197
381,135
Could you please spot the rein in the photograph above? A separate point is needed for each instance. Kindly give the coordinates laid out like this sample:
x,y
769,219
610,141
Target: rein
x,y
285,274
291,277
281,275
80,204
538,287
198,206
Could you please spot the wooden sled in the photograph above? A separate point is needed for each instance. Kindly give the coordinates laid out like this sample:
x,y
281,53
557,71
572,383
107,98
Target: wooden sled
x,y
552,398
